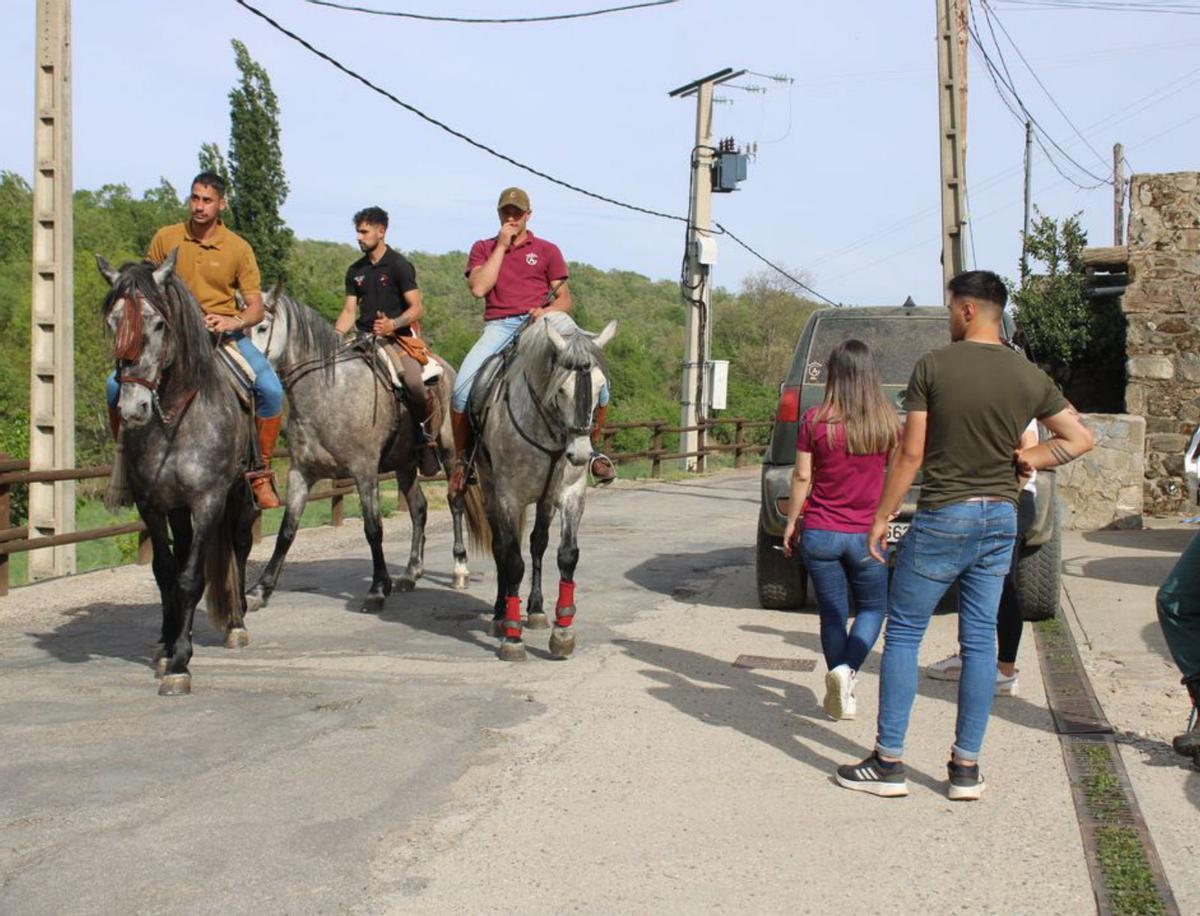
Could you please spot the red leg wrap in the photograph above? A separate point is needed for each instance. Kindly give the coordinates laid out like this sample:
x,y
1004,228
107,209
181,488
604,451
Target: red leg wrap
x,y
564,609
512,617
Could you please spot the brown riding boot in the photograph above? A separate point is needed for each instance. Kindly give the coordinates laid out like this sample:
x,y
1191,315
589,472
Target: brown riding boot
x,y
602,467
262,481
461,425
429,464
114,421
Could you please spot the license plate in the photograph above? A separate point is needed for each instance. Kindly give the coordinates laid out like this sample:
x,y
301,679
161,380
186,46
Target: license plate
x,y
896,530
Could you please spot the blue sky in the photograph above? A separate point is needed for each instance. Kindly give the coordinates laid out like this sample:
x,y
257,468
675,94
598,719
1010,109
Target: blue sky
x,y
844,188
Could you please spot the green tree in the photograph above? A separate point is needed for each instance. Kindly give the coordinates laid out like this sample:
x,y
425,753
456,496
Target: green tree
x,y
213,160
1078,340
257,186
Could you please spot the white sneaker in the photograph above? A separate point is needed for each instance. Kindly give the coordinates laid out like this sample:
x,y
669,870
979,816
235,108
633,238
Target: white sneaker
x,y
948,669
839,700
1006,686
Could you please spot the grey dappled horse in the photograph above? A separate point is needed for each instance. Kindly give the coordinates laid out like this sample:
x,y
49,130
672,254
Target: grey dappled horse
x,y
186,443
532,408
345,421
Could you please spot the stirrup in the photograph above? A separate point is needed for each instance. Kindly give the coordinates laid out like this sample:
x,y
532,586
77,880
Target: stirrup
x,y
602,481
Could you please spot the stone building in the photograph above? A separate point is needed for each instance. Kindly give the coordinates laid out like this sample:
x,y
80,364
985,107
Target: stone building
x,y
1162,306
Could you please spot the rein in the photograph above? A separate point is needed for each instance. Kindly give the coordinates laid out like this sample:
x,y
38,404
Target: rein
x,y
128,348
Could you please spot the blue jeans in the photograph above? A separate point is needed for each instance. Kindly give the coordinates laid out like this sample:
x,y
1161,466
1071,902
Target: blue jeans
x,y
268,390
973,543
496,335
835,560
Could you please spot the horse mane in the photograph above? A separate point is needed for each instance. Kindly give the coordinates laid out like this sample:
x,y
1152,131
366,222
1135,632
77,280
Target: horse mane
x,y
192,353
310,332
537,351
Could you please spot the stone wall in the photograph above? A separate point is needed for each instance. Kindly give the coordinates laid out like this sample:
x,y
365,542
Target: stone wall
x,y
1103,489
1162,305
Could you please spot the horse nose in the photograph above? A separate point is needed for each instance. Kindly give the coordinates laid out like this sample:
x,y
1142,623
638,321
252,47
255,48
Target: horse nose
x,y
135,411
579,450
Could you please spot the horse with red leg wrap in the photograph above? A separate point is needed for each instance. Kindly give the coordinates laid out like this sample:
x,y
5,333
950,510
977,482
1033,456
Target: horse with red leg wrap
x,y
532,409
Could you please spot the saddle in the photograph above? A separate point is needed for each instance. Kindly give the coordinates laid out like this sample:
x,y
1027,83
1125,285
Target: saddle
x,y
238,372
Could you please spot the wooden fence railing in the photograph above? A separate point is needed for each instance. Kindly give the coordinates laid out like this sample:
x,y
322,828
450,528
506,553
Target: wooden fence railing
x,y
15,471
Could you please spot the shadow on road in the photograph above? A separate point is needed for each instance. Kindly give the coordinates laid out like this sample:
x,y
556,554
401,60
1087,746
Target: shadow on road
x,y
776,712
1165,540
123,631
674,574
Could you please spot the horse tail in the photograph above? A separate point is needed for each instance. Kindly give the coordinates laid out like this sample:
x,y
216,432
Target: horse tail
x,y
478,528
223,598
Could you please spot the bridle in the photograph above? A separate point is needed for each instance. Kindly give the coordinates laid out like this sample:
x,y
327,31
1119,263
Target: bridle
x,y
559,431
128,349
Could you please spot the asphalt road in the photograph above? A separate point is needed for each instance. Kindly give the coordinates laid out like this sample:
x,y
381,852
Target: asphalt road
x,y
390,763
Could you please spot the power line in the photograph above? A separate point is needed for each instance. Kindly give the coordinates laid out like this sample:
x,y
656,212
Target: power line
x,y
1179,9
338,65
777,268
461,19
991,17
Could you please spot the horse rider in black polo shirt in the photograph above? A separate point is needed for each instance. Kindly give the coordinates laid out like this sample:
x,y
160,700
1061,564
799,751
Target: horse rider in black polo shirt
x,y
382,299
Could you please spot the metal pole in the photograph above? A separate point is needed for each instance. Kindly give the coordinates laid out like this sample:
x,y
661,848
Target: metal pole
x,y
1118,194
52,339
691,392
1028,199
951,70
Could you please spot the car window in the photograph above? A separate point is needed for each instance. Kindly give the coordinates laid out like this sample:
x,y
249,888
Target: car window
x,y
896,343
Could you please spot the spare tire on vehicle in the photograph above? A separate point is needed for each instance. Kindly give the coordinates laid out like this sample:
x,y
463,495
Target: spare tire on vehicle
x,y
782,581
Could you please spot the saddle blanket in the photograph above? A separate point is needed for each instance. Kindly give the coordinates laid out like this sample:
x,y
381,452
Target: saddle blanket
x,y
430,372
238,372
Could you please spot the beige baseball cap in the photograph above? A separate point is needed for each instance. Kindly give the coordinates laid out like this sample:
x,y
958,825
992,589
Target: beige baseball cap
x,y
513,197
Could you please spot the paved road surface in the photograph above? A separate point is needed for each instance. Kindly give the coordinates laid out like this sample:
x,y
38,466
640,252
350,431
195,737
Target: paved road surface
x,y
380,764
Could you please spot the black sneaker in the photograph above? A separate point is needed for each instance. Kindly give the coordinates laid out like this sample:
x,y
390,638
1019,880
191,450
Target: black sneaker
x,y
966,782
875,776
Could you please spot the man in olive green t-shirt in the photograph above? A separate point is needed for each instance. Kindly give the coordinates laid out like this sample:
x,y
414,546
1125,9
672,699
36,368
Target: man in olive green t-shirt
x,y
968,405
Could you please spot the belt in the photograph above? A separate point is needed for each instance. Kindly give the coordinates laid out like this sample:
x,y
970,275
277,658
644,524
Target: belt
x,y
987,499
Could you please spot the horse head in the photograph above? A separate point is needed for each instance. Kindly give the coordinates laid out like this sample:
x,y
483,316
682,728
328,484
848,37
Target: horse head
x,y
271,333
135,312
576,380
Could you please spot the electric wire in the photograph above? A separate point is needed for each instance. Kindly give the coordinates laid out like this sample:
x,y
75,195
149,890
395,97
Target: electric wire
x,y
464,20
991,17
338,65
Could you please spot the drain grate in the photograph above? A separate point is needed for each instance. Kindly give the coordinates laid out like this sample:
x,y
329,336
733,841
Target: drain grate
x,y
1073,704
1127,875
775,664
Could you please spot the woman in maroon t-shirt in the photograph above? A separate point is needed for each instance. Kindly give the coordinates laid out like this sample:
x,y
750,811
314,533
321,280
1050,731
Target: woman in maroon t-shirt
x,y
842,450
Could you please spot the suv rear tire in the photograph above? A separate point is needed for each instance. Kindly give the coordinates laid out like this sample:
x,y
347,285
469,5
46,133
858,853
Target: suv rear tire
x,y
1039,577
782,581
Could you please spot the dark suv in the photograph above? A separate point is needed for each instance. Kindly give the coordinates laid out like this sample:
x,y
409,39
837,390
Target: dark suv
x,y
898,337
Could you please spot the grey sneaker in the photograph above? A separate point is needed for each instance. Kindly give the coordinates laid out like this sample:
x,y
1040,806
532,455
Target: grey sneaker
x,y
966,782
948,669
873,775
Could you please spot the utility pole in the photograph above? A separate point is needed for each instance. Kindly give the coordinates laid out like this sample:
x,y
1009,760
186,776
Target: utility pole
x,y
701,254
52,338
1028,199
952,130
1118,194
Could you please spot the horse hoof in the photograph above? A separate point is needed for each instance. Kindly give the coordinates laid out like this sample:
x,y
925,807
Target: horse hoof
x,y
537,621
255,601
406,583
237,638
373,604
460,581
175,685
562,643
512,651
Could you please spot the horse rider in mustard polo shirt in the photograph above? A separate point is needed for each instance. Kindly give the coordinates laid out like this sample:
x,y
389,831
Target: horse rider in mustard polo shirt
x,y
213,262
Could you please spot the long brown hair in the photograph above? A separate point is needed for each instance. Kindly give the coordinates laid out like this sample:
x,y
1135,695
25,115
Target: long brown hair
x,y
854,399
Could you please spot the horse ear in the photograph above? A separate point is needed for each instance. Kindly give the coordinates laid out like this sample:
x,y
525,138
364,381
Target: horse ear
x,y
164,270
610,331
106,270
555,337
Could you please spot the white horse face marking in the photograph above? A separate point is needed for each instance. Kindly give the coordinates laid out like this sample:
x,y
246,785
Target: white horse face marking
x,y
579,448
136,402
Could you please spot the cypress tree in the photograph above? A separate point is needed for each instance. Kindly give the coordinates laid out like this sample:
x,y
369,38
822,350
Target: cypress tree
x,y
257,185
